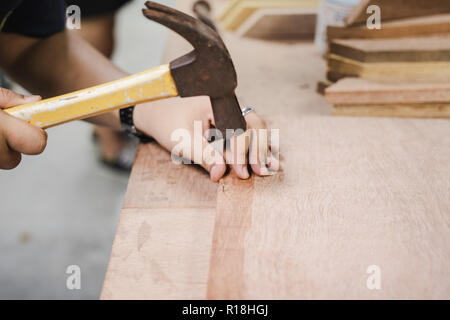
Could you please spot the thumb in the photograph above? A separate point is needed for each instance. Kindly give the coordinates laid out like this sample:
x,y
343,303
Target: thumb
x,y
21,136
9,98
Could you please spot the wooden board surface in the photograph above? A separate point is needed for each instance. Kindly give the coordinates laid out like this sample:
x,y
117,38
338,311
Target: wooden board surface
x,y
414,49
421,110
280,24
438,71
413,27
239,11
361,91
164,231
353,192
398,9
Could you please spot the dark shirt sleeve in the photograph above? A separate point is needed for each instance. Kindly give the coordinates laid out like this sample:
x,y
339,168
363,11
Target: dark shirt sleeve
x,y
35,18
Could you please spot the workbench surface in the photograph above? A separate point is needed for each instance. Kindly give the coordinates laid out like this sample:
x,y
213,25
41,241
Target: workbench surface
x,y
354,195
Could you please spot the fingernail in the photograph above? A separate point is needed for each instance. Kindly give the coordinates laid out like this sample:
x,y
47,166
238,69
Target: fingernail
x,y
266,171
245,174
32,98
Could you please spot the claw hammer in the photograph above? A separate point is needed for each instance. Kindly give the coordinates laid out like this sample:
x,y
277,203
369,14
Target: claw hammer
x,y
206,71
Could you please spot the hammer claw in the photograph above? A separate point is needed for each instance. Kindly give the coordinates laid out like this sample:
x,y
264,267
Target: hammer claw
x,y
191,29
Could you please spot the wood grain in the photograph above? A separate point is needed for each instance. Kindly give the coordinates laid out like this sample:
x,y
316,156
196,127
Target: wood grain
x,y
361,91
160,253
414,49
280,24
412,27
438,71
422,110
164,236
358,192
233,222
353,192
239,11
398,9
148,186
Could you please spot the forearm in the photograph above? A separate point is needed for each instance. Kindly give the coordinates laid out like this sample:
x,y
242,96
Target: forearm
x,y
57,65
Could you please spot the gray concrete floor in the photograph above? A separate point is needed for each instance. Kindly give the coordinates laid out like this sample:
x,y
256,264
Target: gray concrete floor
x,y
61,208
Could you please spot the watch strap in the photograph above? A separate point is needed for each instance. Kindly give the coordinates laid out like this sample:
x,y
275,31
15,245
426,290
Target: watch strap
x,y
127,122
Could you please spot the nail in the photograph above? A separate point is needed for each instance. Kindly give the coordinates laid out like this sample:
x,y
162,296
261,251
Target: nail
x,y
267,171
245,174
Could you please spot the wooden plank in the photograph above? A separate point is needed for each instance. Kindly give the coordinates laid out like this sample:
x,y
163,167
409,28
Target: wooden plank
x,y
233,221
243,10
322,86
229,7
148,187
418,49
361,91
395,71
359,192
280,24
163,199
353,192
334,76
398,9
157,204
413,27
157,266
424,110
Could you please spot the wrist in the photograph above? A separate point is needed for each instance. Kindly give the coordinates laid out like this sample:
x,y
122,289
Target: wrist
x,y
127,120
137,119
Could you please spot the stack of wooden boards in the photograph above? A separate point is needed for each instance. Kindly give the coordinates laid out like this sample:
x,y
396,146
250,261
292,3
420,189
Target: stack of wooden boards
x,y
359,97
271,19
400,70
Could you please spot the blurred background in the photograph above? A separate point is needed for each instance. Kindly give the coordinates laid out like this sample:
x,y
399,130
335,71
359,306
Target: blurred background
x,y
61,208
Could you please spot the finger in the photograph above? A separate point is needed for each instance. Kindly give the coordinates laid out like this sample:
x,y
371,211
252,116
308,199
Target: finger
x,y
8,159
273,157
274,150
258,152
254,121
9,98
21,136
262,160
274,162
213,160
255,154
237,154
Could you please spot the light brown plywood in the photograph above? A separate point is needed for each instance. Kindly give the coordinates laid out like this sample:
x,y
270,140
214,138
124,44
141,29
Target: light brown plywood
x,y
418,49
242,10
398,9
391,71
413,27
359,192
147,263
361,91
424,110
353,192
280,24
162,199
148,185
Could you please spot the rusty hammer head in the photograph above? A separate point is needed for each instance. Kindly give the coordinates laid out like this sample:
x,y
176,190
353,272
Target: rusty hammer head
x,y
206,71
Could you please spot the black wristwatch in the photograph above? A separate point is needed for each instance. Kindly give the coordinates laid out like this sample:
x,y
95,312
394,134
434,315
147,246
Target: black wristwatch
x,y
127,122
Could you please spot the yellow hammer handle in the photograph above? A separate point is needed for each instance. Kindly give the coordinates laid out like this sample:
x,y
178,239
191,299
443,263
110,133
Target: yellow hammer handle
x,y
146,86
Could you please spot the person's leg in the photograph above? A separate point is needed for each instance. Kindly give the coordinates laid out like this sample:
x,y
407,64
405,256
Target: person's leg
x,y
99,32
115,148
